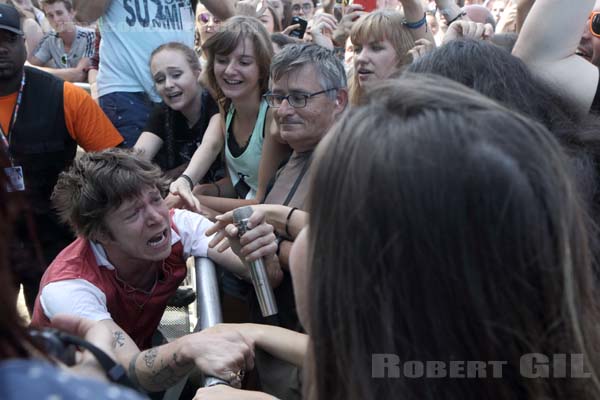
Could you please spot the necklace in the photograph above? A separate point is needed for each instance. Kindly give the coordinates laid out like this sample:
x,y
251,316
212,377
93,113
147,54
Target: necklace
x,y
147,294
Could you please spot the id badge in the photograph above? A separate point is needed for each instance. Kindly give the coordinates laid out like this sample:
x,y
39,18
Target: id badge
x,y
16,183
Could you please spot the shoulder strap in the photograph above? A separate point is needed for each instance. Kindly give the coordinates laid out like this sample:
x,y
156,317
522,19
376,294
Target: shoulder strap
x,y
297,182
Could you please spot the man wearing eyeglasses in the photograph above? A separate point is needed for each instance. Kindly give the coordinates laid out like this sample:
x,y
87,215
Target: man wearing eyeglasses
x,y
303,8
309,93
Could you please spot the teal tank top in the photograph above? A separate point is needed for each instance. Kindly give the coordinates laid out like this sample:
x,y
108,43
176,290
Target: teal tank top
x,y
246,165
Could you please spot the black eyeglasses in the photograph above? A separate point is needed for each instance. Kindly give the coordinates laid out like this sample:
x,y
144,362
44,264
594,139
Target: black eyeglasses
x,y
296,100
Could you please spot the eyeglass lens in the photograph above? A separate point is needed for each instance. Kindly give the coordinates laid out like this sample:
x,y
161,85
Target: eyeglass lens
x,y
595,25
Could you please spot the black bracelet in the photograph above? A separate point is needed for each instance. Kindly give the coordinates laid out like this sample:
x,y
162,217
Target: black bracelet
x,y
287,222
188,179
460,14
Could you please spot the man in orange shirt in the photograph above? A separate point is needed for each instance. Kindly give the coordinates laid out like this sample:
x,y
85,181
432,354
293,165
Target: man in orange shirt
x,y
42,120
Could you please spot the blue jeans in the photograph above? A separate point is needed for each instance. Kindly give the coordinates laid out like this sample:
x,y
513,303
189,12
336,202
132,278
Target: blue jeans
x,y
129,112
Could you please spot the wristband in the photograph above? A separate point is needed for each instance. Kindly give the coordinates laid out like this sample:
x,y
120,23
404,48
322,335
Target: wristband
x,y
287,222
188,179
418,24
460,14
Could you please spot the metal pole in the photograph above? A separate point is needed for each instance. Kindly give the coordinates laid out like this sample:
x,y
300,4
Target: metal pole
x,y
208,303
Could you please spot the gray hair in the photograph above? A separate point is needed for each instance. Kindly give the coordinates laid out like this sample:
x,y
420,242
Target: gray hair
x,y
330,70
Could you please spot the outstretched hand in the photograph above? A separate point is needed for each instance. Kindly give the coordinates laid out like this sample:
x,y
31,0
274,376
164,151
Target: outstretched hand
x,y
180,187
257,242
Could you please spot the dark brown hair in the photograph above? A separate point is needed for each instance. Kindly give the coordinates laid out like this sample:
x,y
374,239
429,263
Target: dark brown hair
x,y
445,227
14,340
68,3
98,183
232,32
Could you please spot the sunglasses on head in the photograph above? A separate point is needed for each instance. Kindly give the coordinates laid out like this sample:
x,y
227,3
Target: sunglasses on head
x,y
595,23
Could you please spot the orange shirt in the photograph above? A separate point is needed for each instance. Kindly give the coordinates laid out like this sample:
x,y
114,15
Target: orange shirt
x,y
86,122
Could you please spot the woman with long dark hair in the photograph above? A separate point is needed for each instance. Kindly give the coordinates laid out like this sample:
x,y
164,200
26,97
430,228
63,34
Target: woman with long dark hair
x,y
470,242
447,255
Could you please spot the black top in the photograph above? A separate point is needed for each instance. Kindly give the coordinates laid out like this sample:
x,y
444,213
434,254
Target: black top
x,y
185,140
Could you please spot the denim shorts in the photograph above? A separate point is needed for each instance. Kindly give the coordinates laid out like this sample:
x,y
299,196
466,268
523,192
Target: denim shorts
x,y
129,112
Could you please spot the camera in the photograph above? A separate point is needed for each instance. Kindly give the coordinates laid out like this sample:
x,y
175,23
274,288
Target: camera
x,y
54,343
299,33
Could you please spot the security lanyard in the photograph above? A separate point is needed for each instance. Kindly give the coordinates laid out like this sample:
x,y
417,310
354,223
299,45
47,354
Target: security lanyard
x,y
6,143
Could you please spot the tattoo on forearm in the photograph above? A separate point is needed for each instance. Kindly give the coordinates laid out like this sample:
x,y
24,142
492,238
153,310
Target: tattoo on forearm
x,y
150,357
118,339
164,372
170,373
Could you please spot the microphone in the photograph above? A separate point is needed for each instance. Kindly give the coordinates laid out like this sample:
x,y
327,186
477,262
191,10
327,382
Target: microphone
x,y
258,273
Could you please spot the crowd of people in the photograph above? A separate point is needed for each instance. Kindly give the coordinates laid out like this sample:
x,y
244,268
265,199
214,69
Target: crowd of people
x,y
424,179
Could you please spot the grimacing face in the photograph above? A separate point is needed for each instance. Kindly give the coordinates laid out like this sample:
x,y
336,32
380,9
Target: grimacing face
x,y
139,230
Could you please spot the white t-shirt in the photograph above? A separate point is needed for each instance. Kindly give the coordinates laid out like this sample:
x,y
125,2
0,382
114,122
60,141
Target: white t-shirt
x,y
131,30
80,297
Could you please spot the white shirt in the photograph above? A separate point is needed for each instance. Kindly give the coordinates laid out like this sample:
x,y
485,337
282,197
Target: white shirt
x,y
81,298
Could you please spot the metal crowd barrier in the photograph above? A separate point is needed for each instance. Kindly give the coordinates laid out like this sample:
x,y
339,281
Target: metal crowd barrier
x,y
208,311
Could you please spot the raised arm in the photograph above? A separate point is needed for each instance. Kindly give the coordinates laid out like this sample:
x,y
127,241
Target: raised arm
x,y
414,13
523,8
90,10
449,10
550,53
222,9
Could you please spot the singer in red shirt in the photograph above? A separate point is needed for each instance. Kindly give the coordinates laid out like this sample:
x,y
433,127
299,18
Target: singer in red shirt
x,y
128,259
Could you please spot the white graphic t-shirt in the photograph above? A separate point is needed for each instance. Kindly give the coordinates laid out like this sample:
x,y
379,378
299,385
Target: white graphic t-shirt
x,y
131,30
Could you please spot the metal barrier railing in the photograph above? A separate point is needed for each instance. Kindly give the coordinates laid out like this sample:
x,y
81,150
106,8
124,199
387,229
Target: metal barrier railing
x,y
208,310
208,302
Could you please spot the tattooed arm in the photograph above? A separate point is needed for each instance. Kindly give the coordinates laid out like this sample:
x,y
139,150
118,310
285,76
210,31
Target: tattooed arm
x,y
214,353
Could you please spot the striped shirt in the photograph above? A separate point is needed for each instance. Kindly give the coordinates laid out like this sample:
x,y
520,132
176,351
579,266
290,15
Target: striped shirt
x,y
51,49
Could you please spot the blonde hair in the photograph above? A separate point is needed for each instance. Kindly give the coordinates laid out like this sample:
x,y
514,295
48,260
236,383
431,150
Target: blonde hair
x,y
381,25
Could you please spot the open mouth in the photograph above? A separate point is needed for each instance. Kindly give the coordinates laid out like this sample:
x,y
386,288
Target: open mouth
x,y
175,95
232,82
158,240
364,74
